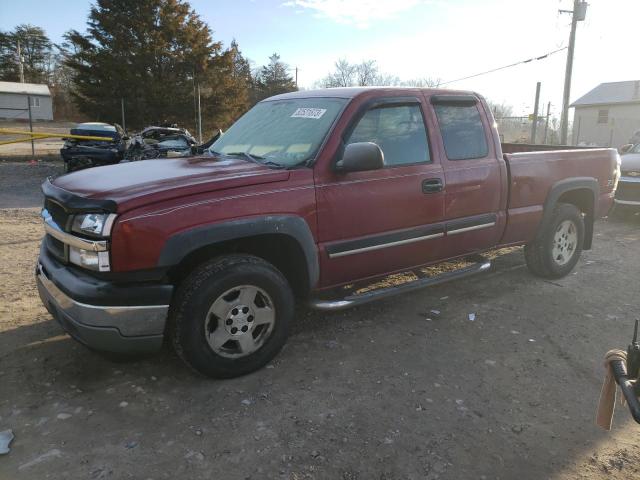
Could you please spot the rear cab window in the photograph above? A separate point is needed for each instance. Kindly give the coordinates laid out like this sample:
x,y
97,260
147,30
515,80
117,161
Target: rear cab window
x,y
462,131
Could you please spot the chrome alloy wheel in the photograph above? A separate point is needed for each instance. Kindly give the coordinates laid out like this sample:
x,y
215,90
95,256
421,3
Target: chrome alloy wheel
x,y
239,321
565,242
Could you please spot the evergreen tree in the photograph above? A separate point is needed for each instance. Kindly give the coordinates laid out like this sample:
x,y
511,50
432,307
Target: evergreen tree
x,y
36,50
226,94
150,53
273,79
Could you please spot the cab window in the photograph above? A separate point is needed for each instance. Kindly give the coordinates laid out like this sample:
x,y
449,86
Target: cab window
x,y
398,130
462,131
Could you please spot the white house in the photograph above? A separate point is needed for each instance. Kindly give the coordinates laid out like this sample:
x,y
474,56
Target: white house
x,y
607,116
14,99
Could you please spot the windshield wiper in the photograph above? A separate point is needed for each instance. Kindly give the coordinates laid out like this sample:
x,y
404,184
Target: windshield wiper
x,y
256,159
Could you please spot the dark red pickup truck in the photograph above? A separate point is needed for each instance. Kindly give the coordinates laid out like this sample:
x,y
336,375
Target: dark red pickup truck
x,y
306,193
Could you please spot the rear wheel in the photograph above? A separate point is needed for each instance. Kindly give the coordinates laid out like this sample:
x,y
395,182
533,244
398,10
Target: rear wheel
x,y
558,247
231,316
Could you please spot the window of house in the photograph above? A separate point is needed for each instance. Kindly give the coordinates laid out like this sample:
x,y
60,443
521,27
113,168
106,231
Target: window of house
x,y
35,101
398,130
603,115
462,131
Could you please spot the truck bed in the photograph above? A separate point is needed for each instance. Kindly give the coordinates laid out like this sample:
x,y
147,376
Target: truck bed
x,y
532,174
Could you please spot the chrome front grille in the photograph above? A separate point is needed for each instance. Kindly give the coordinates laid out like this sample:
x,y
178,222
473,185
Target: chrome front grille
x,y
58,214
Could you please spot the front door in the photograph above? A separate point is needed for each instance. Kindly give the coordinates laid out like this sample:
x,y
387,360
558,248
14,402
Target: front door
x,y
380,221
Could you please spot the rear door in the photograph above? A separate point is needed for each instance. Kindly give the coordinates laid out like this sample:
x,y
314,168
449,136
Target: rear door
x,y
379,221
474,174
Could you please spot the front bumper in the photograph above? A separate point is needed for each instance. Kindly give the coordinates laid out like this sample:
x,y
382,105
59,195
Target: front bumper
x,y
95,154
111,322
628,191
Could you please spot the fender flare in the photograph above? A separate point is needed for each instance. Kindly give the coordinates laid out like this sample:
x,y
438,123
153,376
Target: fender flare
x,y
567,185
183,243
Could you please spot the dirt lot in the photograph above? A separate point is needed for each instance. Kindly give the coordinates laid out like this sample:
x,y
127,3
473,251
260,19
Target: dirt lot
x,y
393,390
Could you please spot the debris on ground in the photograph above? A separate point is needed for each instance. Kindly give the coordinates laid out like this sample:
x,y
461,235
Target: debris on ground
x,y
6,436
42,458
472,317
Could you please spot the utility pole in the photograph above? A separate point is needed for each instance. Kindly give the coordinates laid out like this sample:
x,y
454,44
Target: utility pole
x,y
33,150
20,63
534,126
124,125
296,77
546,124
195,105
199,117
577,15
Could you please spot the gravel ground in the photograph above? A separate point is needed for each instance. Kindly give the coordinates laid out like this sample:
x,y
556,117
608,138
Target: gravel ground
x,y
407,388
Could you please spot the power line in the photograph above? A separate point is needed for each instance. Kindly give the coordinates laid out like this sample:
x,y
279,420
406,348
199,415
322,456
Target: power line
x,y
532,59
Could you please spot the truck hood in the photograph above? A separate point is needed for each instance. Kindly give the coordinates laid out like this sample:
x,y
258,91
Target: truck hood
x,y
134,184
630,162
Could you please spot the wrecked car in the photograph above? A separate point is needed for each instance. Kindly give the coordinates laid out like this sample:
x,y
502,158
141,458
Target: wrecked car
x,y
160,142
78,154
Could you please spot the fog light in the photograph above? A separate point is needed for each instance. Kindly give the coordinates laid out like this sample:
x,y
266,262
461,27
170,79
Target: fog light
x,y
98,261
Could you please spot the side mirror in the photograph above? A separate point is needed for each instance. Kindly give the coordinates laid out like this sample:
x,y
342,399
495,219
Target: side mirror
x,y
361,156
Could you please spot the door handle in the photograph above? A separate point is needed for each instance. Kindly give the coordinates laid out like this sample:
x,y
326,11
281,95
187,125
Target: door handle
x,y
432,185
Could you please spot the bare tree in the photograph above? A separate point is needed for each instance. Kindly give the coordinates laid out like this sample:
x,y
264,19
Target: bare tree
x,y
500,110
342,76
424,82
367,73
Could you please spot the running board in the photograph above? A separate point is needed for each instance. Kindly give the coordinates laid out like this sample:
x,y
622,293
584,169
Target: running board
x,y
356,300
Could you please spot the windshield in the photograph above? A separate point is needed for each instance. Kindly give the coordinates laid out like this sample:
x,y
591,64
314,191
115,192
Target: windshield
x,y
286,132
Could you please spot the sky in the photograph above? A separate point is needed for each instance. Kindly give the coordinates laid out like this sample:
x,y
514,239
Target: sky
x,y
410,39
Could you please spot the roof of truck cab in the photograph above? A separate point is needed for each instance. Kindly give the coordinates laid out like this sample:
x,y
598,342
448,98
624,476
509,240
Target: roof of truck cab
x,y
352,92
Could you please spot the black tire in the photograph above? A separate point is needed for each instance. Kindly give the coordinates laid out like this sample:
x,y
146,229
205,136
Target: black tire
x,y
539,254
190,313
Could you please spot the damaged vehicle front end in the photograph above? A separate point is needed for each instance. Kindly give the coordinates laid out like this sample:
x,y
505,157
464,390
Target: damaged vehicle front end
x,y
78,154
160,142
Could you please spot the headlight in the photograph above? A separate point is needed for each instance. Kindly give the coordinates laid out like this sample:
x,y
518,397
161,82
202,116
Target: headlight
x,y
93,224
98,261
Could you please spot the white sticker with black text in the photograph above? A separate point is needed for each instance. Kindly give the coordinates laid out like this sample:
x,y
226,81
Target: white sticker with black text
x,y
315,113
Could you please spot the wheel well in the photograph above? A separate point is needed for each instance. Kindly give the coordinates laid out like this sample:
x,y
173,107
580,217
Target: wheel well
x,y
282,251
583,199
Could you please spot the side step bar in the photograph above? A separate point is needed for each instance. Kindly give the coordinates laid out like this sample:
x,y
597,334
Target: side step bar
x,y
356,300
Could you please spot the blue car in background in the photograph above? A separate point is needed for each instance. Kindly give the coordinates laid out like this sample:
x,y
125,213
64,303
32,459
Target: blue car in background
x,y
78,154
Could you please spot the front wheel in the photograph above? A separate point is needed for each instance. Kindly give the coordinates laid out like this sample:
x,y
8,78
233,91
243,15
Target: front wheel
x,y
231,316
559,245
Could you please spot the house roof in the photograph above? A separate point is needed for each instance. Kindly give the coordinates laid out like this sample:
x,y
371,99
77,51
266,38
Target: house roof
x,y
610,93
24,88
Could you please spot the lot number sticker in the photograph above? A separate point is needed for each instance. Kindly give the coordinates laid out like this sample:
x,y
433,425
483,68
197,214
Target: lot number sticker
x,y
315,113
